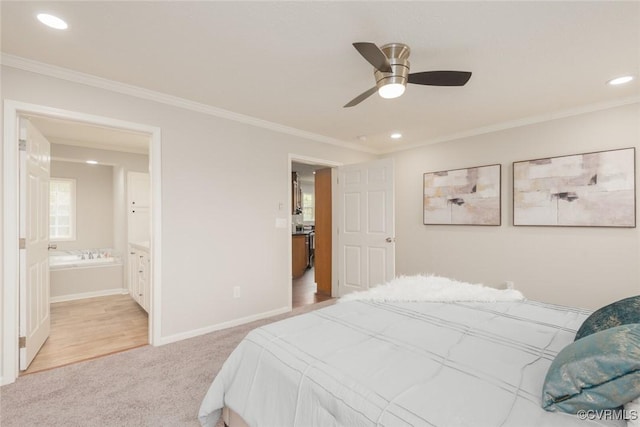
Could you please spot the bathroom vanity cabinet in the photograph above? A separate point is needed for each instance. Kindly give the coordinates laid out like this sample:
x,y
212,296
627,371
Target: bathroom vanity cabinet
x,y
139,274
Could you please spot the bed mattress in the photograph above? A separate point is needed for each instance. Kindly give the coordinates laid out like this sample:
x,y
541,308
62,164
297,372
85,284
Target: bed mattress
x,y
365,363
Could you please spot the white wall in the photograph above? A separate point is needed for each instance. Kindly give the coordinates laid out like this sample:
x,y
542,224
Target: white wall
x,y
94,203
218,221
586,267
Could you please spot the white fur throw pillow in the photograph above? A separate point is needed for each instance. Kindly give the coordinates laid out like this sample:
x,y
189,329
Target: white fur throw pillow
x,y
432,289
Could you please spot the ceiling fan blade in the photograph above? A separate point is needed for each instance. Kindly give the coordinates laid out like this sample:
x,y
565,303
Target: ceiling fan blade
x,y
374,55
440,78
358,99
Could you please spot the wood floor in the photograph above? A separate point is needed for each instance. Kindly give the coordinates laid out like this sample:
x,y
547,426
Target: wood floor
x,y
304,290
92,327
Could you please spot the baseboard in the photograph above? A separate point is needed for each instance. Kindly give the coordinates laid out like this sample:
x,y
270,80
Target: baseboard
x,y
104,293
224,325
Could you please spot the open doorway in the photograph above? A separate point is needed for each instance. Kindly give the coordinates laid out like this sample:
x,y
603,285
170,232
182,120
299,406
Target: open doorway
x,y
113,255
311,232
93,310
99,208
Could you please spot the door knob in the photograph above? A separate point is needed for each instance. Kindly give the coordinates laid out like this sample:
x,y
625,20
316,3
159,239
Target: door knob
x,y
390,239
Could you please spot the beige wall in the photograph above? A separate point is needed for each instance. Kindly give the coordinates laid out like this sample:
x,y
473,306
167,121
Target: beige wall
x,y
94,203
586,267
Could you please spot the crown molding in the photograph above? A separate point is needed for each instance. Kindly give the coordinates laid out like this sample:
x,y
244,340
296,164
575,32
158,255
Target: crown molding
x,y
519,123
162,98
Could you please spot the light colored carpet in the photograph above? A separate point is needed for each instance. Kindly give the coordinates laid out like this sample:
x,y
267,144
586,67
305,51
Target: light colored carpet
x,y
146,386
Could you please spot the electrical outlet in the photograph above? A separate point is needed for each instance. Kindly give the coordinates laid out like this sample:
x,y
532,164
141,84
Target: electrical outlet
x,y
236,292
509,284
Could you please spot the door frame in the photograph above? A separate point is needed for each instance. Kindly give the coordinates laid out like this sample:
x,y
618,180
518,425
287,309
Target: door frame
x,y
10,193
298,158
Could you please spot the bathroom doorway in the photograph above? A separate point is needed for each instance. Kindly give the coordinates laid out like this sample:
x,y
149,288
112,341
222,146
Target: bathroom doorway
x,y
93,254
93,311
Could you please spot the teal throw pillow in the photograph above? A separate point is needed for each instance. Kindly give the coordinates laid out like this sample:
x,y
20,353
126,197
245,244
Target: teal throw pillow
x,y
618,313
600,371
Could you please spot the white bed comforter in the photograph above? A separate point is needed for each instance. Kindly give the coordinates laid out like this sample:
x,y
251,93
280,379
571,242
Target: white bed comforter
x,y
367,363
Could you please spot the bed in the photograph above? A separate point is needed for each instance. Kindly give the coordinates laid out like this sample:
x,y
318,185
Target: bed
x,y
394,363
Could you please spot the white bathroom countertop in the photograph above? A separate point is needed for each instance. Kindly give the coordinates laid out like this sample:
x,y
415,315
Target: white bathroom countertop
x,y
140,245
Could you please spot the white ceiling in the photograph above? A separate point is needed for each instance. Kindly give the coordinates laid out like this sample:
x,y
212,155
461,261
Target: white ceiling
x,y
305,171
292,63
91,136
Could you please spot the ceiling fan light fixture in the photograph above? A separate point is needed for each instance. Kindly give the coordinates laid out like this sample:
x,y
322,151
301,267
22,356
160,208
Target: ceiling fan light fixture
x,y
391,90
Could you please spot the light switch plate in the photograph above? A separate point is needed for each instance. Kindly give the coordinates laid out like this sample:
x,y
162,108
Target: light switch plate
x,y
281,223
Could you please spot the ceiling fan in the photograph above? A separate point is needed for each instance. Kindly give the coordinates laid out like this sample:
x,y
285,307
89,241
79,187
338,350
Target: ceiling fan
x,y
391,70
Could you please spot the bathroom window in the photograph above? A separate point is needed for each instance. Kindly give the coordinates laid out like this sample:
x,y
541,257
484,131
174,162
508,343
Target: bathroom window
x,y
308,208
62,209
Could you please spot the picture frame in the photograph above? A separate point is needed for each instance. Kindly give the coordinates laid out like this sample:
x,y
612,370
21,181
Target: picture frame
x,y
466,196
595,189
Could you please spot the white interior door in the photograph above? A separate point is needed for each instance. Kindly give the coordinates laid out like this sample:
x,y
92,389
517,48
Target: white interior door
x,y
366,227
35,319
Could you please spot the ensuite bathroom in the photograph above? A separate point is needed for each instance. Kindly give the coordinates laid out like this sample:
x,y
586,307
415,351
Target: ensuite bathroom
x,y
100,229
89,227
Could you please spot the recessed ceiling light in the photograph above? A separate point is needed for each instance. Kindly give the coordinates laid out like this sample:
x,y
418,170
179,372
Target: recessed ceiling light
x,y
396,135
620,80
92,162
52,21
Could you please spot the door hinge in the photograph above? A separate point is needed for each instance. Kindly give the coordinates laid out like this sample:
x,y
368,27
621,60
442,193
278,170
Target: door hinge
x,y
22,145
22,243
22,342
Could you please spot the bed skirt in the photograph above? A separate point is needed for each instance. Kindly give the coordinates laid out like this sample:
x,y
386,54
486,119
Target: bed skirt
x,y
232,419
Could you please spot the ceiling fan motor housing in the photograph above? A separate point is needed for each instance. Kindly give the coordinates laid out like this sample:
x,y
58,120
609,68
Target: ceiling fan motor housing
x,y
398,55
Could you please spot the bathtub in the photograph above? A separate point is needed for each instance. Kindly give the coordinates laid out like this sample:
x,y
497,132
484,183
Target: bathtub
x,y
87,273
